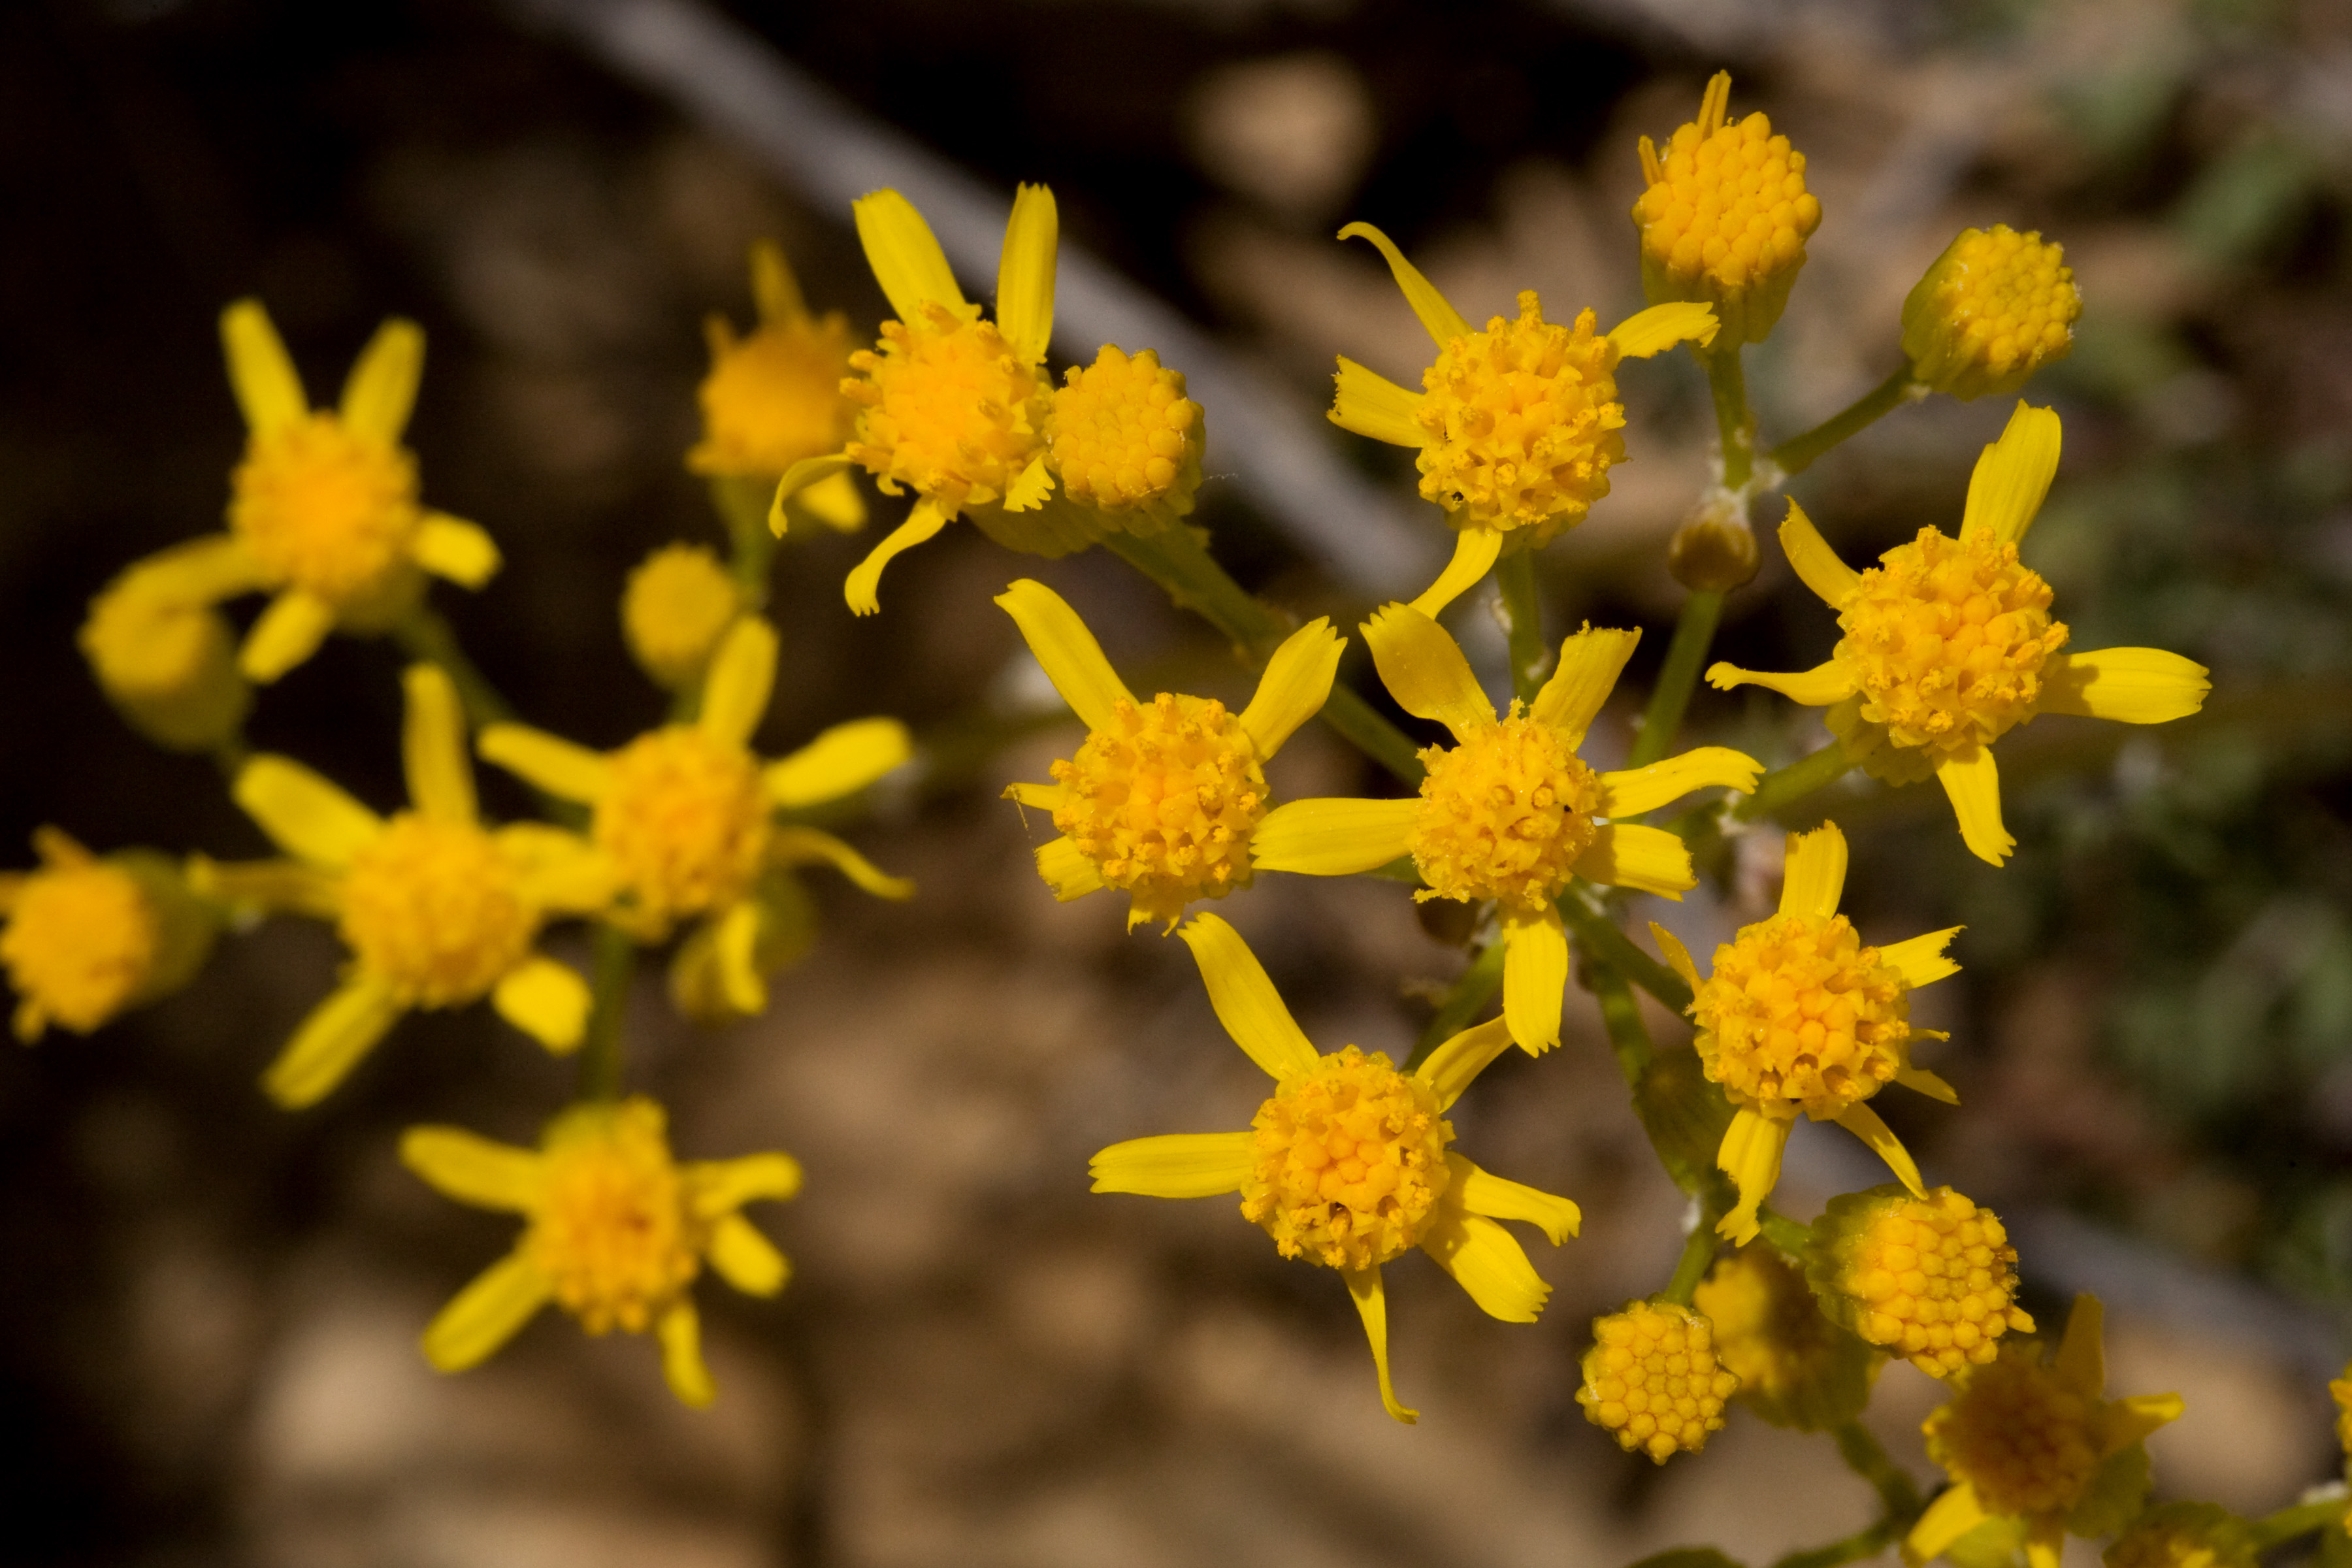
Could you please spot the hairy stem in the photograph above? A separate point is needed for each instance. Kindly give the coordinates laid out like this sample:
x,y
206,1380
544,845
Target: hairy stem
x,y
1796,455
1699,1256
1733,423
1686,657
1523,617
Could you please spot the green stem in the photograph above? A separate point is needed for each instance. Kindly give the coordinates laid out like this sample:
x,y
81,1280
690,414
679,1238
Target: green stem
x,y
2301,1518
1796,455
1523,612
1785,786
423,634
742,506
1698,1257
1733,423
1620,1016
600,1052
1784,1233
1686,657
1602,941
1865,1458
1465,1001
1862,1543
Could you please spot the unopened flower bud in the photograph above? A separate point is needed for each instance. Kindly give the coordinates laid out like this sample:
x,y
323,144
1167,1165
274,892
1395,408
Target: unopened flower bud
x,y
1125,440
678,603
86,938
1715,550
1651,1381
167,661
1796,1368
1931,1278
1996,307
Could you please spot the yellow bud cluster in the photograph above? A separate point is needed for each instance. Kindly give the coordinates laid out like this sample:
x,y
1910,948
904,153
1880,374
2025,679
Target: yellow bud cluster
x,y
613,1233
1652,1380
434,910
326,509
684,821
677,603
1996,307
1123,438
1798,1014
948,409
1349,1162
1933,1279
1505,815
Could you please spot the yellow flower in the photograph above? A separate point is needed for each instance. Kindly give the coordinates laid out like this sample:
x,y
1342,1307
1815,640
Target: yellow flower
x,y
86,938
1161,800
1800,1017
1509,812
1515,427
2184,1535
1932,1279
1796,1367
1346,1164
1995,308
164,656
618,1230
684,816
2035,1442
323,511
675,606
1652,1380
774,397
1948,644
437,910
1725,216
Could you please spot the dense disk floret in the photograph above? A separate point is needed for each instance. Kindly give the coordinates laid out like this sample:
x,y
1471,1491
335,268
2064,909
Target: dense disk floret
x,y
676,606
948,408
684,820
1725,216
773,397
434,909
325,508
1996,307
1946,639
2015,1431
1123,437
1349,1161
82,940
1795,1366
1651,1381
1933,1279
1799,1013
1505,815
1163,800
613,1233
1523,420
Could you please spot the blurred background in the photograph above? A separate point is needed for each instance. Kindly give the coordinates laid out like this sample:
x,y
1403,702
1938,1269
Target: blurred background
x,y
209,1315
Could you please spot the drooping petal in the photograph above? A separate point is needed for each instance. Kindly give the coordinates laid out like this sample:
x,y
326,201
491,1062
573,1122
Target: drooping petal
x,y
717,1187
1176,1166
288,632
1535,977
860,589
804,475
2130,685
1921,960
1440,319
331,1042
1474,553
1646,859
1024,273
2012,475
735,942
1812,878
1590,663
1372,1305
1949,1518
1068,871
808,845
1370,404
1678,958
561,871
742,674
546,1000
1296,685
746,1258
382,387
1973,783
485,1314
260,372
840,761
1928,1084
449,547
1661,327
1824,684
1817,565
1453,1066
473,1169
1073,661
563,770
433,746
906,255
1488,1262
1334,836
1750,1155
1864,1124
1480,1191
680,1331
1245,1001
1424,669
1632,791
303,813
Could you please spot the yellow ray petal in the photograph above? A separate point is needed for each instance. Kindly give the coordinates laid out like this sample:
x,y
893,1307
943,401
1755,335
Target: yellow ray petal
x,y
861,589
1678,958
555,764
681,1332
1176,1166
833,500
1818,566
735,940
1632,791
260,372
473,1169
1024,273
1973,783
775,292
1370,404
449,547
746,1258
331,1042
1812,878
546,1000
1646,859
1928,1084
906,255
1864,1124
2132,685
1296,685
1067,871
1487,1261
1245,1001
1590,663
288,632
1535,977
806,475
1044,796
1949,1518
1661,327
840,761
562,871
808,845
1333,836
1372,1305
1475,552
382,386
1028,492
303,813
201,571
1441,319
1921,960
2130,1420
2082,1360
1816,688
2012,475
1072,659
485,1314
433,746
1424,669
1750,1155
742,674
1453,1066
1481,1192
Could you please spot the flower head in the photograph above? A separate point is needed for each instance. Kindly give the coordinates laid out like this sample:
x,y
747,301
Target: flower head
x,y
1995,308
1164,799
1949,644
1124,439
1509,812
1652,1380
2184,1535
1516,426
164,657
675,606
773,397
1347,1164
2035,1441
1932,1279
86,939
1724,215
618,1230
1796,1367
